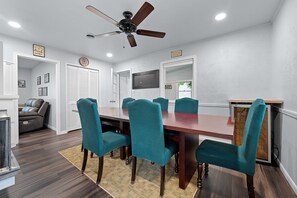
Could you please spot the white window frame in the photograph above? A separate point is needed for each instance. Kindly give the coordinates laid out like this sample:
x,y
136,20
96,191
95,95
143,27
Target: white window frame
x,y
177,62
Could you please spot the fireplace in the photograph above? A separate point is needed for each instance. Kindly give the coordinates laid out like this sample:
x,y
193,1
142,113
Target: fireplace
x,y
5,148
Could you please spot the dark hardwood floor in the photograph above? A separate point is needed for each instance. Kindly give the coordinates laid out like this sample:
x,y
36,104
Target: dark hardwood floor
x,y
45,173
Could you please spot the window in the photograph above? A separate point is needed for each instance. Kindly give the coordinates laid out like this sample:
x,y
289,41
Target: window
x,y
185,89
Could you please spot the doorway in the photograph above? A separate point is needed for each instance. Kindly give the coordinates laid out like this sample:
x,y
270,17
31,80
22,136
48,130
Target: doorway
x,y
121,87
80,83
40,78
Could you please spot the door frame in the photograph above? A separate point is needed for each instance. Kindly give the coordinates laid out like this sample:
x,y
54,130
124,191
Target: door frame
x,y
58,84
175,63
118,89
66,85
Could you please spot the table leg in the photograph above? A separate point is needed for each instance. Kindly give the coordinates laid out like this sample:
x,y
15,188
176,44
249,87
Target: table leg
x,y
187,161
125,129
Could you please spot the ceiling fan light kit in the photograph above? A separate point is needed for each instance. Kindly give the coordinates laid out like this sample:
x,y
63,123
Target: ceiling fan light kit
x,y
128,25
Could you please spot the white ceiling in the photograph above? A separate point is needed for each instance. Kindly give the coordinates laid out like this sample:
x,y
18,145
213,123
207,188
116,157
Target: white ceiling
x,y
27,63
64,24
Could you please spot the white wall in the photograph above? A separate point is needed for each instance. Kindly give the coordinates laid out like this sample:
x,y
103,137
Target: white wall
x,y
284,58
11,46
235,65
1,66
40,70
25,93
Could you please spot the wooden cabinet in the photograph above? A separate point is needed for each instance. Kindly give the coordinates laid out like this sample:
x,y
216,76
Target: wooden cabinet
x,y
239,112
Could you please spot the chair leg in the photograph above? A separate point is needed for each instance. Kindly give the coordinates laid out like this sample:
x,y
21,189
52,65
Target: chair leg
x,y
250,185
84,161
176,163
162,185
127,154
100,170
111,153
82,147
134,161
92,154
206,169
199,179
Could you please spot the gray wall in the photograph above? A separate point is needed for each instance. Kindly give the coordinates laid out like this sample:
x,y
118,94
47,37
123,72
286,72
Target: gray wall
x,y
40,70
12,46
284,39
25,93
236,65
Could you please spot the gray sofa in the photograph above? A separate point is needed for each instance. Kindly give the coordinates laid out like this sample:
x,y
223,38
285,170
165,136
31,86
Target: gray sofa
x,y
31,117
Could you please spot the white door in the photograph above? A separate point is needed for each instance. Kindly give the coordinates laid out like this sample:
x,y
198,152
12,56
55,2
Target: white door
x,y
81,83
124,85
114,102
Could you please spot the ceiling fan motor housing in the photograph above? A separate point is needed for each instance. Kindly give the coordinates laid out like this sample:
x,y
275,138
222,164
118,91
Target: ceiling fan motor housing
x,y
126,24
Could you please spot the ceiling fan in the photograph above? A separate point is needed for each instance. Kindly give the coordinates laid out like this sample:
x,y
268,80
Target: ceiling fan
x,y
128,25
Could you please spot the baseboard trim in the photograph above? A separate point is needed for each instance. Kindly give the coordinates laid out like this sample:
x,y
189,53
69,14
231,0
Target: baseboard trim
x,y
287,176
62,132
219,105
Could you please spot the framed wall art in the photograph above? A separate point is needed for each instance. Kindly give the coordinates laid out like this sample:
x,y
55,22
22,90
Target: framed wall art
x,y
46,78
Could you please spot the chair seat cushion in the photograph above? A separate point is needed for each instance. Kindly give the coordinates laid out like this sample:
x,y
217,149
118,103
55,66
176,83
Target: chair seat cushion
x,y
222,154
112,140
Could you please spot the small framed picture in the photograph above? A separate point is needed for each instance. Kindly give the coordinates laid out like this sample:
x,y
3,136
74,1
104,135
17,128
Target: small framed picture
x,y
22,84
44,91
46,78
40,91
38,80
38,50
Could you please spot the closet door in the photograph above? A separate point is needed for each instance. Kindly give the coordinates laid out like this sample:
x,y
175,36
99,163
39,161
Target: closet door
x,y
94,84
73,121
81,83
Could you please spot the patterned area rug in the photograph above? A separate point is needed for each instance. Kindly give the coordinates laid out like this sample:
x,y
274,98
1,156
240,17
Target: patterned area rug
x,y
117,176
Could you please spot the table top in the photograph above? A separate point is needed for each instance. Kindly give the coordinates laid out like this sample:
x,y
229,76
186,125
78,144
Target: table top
x,y
209,125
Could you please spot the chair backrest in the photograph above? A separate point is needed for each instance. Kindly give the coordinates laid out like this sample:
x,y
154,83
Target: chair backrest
x,y
252,128
33,105
146,128
93,100
163,102
126,101
91,126
186,105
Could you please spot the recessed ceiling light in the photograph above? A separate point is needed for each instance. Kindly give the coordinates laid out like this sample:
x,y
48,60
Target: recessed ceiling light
x,y
221,16
14,24
109,55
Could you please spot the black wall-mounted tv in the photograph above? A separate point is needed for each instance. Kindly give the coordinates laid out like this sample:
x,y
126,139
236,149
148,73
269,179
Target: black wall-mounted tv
x,y
144,80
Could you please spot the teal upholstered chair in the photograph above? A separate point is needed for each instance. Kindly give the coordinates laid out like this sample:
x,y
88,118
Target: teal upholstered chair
x,y
186,105
126,101
163,102
147,137
240,158
93,138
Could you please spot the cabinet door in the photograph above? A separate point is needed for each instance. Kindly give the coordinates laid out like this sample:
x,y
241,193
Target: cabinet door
x,y
264,144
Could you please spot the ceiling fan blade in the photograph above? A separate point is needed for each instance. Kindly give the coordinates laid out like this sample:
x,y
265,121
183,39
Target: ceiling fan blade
x,y
131,40
107,34
142,13
151,33
101,14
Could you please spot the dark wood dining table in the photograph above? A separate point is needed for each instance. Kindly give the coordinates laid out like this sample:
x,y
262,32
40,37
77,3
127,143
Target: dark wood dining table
x,y
188,127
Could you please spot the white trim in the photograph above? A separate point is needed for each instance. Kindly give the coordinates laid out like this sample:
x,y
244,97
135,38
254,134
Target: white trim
x,y
287,176
287,112
218,105
63,132
177,62
58,83
9,97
